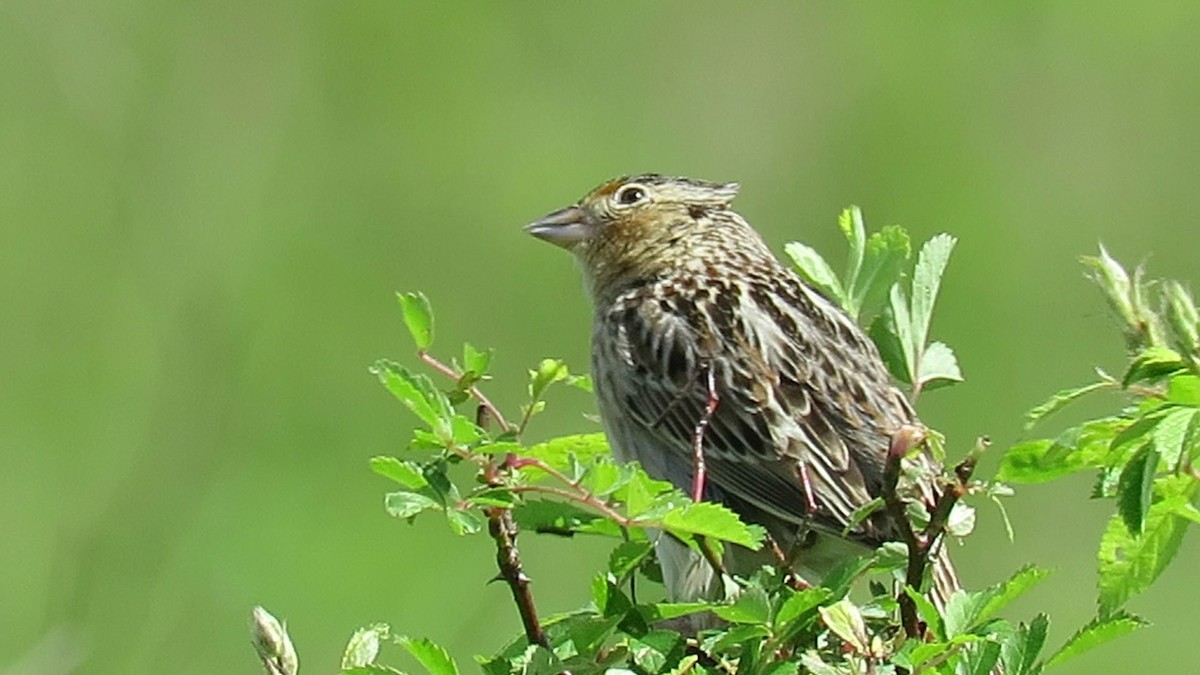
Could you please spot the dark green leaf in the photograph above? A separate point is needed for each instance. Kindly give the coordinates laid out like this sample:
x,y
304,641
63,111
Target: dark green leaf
x,y
407,474
816,271
884,333
433,657
1135,487
800,604
1094,634
1059,400
561,518
627,556
418,316
363,647
405,504
739,635
843,575
928,612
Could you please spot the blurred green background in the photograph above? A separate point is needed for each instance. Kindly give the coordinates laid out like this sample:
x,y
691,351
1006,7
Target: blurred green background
x,y
206,207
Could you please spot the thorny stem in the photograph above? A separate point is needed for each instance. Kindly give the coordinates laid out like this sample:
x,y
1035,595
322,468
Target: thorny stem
x,y
921,545
710,407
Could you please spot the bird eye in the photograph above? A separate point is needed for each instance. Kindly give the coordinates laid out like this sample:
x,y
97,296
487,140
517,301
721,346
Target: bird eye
x,y
630,194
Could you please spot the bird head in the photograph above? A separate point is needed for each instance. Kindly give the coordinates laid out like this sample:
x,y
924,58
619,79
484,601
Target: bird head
x,y
642,226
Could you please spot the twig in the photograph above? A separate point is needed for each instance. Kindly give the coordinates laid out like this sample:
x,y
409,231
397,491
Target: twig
x,y
475,393
504,532
710,407
920,546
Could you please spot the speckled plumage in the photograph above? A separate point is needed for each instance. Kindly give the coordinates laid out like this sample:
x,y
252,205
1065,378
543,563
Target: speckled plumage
x,y
683,286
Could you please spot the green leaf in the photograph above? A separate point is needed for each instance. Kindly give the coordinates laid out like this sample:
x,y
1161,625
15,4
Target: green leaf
x,y
418,316
627,556
938,367
844,619
816,271
465,521
476,361
1136,487
1094,634
980,657
560,518
1020,654
850,222
405,504
859,515
927,277
363,647
1059,400
672,610
708,519
1114,281
1078,448
1176,434
901,325
927,611
1151,364
547,373
1184,389
650,652
884,333
800,604
1129,563
418,394
433,657
997,597
887,251
408,474
751,606
560,452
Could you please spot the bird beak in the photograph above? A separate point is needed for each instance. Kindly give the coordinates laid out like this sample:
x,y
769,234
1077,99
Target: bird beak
x,y
565,227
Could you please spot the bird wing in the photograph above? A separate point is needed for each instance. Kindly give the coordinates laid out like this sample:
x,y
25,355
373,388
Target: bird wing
x,y
804,405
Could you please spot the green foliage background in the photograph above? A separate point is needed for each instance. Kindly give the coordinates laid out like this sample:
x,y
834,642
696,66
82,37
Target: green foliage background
x,y
206,207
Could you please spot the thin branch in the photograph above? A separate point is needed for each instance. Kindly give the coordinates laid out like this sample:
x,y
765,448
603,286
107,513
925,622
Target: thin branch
x,y
475,393
504,532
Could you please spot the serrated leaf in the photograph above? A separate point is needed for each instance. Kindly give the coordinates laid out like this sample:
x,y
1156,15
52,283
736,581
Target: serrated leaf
x,y
1151,364
1135,487
979,657
997,597
559,452
887,251
938,367
561,518
927,278
1175,435
405,504
465,521
751,606
1019,654
432,656
708,519
408,474
627,556
850,222
800,604
1128,563
844,619
885,333
1096,633
816,271
418,394
1059,400
1083,447
418,316
363,647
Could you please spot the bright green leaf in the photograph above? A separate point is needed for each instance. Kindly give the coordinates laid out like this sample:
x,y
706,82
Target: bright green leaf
x,y
363,648
816,271
418,316
927,278
800,604
1184,389
844,619
927,611
893,348
432,656
407,474
996,598
418,394
465,521
1176,434
1059,400
547,373
708,519
1129,563
407,504
938,367
627,556
1151,364
476,361
887,251
1094,634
